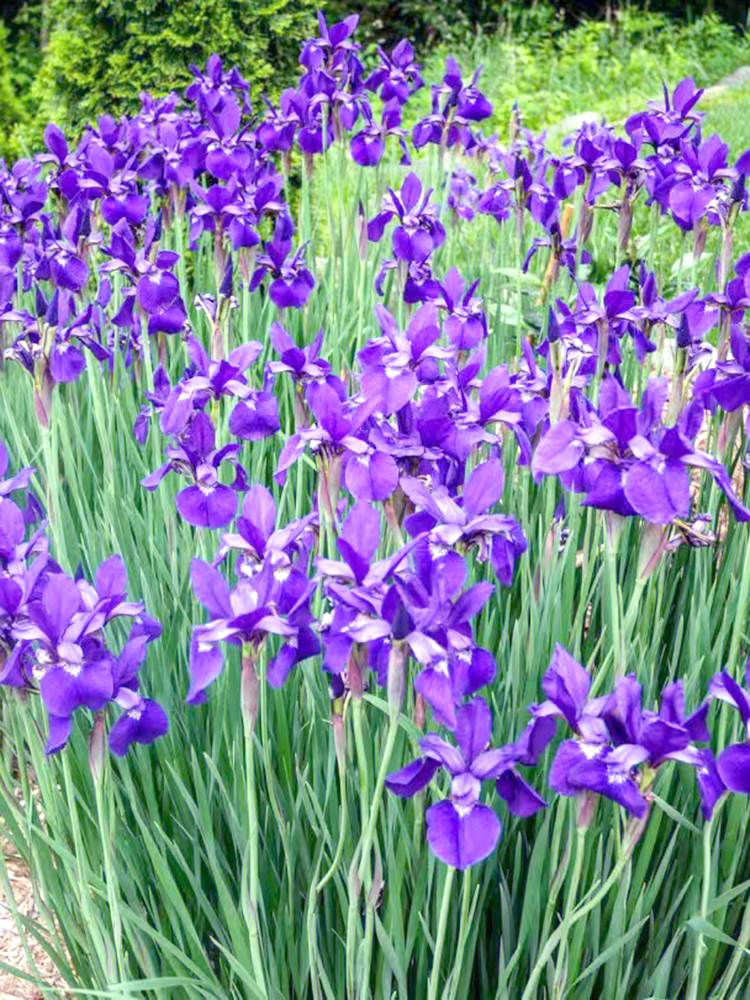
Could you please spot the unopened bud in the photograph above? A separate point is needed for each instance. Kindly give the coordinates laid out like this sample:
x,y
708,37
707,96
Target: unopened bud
x,y
362,237
725,254
392,519
339,739
728,430
634,830
625,223
43,398
396,676
699,242
97,748
354,671
419,711
585,222
586,810
566,220
653,545
615,524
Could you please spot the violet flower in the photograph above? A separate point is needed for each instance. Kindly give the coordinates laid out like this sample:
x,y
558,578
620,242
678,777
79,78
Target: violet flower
x,y
291,281
734,761
206,503
461,830
271,597
626,461
615,737
420,231
397,76
60,634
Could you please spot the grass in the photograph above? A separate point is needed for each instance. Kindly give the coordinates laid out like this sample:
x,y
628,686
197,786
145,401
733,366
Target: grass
x,y
173,866
607,66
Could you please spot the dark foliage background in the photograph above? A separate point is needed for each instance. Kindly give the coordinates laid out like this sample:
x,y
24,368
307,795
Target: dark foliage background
x,y
70,60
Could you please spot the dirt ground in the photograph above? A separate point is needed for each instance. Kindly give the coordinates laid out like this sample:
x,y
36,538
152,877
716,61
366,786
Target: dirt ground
x,y
11,949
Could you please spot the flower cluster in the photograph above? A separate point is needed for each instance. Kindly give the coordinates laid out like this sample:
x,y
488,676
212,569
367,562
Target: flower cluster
x,y
54,638
615,750
386,569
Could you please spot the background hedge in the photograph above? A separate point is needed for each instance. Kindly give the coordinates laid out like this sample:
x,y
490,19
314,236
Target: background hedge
x,y
70,60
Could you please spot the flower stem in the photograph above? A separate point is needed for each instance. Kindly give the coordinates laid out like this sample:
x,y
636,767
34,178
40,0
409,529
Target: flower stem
x,y
567,925
52,491
434,983
372,817
249,695
570,903
355,883
695,972
109,875
364,869
463,930
615,612
396,668
343,825
84,879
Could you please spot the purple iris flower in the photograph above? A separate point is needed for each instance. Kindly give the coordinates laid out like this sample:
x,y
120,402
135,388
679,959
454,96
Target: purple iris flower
x,y
497,201
256,416
225,208
439,613
734,761
277,129
463,194
334,52
157,400
18,481
271,598
23,562
461,830
60,633
336,440
425,610
698,190
420,231
454,105
228,146
206,381
625,460
684,314
394,363
397,76
211,87
360,622
291,281
728,384
368,145
615,737
259,536
101,176
61,262
304,365
207,502
465,320
50,344
142,721
445,522
155,288
173,156
665,124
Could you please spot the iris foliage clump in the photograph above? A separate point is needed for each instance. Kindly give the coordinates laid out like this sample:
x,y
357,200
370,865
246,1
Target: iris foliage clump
x,y
374,571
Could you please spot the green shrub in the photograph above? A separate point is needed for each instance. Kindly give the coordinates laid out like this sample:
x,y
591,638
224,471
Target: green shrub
x,y
101,53
10,108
